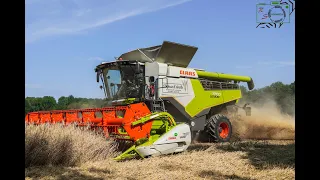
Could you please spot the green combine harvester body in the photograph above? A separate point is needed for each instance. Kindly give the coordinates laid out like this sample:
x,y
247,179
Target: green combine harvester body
x,y
159,103
200,101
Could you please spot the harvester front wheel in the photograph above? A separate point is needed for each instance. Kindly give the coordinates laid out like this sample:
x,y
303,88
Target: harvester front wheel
x,y
218,128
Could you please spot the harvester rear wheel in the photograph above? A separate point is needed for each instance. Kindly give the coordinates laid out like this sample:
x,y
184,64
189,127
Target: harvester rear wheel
x,y
218,129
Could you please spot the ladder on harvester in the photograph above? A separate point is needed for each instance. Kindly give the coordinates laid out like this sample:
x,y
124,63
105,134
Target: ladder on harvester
x,y
158,106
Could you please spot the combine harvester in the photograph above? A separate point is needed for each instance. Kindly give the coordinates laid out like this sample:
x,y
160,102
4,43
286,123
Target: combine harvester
x,y
157,102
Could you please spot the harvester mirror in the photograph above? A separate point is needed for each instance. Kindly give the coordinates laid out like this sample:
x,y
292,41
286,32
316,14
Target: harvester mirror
x,y
151,79
248,111
97,77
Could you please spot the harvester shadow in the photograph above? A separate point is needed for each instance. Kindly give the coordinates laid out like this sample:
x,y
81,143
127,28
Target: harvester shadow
x,y
199,146
64,173
95,170
262,154
218,176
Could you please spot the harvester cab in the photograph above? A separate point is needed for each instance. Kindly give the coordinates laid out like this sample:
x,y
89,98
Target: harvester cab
x,y
159,103
121,81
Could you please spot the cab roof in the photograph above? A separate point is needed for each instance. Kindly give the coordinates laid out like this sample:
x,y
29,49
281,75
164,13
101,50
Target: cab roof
x,y
169,52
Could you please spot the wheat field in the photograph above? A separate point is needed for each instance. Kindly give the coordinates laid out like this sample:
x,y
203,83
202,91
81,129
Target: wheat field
x,y
56,152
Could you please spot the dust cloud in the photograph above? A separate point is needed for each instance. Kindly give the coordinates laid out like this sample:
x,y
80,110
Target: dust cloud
x,y
266,122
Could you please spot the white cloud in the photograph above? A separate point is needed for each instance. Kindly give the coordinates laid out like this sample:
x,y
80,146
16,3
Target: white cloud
x,y
243,67
278,63
33,86
61,17
266,64
95,59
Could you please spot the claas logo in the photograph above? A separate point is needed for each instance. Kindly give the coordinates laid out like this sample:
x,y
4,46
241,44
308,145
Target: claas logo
x,y
188,73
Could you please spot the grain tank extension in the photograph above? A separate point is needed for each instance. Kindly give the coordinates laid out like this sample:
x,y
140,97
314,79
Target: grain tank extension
x,y
157,102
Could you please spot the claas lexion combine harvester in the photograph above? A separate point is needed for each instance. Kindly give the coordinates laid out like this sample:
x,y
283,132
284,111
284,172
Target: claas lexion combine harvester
x,y
157,102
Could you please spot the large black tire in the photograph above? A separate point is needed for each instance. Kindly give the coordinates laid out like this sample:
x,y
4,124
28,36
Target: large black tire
x,y
218,128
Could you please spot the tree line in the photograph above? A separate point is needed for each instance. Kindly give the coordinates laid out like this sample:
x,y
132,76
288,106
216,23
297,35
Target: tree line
x,y
47,103
282,94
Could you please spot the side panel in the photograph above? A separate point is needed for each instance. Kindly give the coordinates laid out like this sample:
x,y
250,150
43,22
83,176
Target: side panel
x,y
231,95
206,99
179,88
187,101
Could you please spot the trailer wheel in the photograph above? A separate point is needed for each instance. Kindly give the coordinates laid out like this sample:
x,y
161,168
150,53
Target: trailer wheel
x,y
218,128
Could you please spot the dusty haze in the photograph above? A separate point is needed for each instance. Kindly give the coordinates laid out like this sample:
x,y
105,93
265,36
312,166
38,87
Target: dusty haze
x,y
266,122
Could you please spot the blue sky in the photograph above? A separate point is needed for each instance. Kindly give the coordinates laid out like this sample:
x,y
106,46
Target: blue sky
x,y
66,39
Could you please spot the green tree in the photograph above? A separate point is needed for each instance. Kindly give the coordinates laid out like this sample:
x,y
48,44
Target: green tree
x,y
48,103
283,94
27,106
34,103
62,103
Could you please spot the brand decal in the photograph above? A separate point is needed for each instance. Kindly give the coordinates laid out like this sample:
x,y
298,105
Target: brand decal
x,y
185,85
187,73
215,95
172,138
176,88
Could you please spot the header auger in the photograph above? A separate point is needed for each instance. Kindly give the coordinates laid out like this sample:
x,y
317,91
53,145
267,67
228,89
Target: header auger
x,y
157,102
